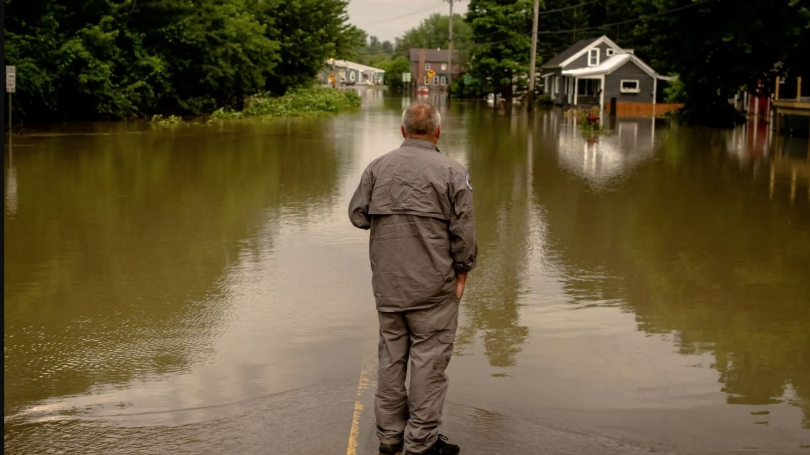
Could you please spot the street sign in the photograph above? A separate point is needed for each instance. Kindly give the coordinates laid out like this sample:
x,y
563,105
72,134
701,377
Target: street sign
x,y
406,77
431,74
11,79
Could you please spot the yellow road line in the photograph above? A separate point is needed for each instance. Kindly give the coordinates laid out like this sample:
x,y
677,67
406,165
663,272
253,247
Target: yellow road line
x,y
365,372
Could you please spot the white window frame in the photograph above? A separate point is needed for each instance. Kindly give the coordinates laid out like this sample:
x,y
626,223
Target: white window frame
x,y
444,80
629,90
351,76
444,66
593,53
610,52
427,80
427,66
435,80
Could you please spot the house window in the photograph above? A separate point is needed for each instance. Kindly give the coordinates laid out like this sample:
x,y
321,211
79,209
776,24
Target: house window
x,y
610,52
427,80
630,86
444,80
427,66
351,75
593,57
435,80
444,66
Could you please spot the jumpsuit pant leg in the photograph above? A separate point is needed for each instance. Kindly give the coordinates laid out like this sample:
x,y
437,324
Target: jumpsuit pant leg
x,y
391,399
432,335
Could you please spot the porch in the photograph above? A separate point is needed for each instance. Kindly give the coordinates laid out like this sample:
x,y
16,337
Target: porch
x,y
588,92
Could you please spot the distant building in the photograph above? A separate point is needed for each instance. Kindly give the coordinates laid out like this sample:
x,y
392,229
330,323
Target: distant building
x,y
595,71
424,60
351,73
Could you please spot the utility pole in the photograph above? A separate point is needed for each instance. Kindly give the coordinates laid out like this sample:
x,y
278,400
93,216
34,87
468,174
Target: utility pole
x,y
450,47
533,57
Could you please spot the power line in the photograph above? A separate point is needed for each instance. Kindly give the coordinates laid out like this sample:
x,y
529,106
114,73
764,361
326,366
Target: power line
x,y
567,7
419,11
628,21
556,32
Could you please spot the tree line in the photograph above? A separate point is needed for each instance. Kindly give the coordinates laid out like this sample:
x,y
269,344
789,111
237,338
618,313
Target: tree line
x,y
85,59
715,47
124,58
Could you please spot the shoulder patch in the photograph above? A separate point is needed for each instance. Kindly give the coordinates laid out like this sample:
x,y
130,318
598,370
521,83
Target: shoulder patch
x,y
469,181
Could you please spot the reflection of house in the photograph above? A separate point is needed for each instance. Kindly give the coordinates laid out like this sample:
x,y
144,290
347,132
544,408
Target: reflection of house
x,y
351,73
425,60
594,71
600,161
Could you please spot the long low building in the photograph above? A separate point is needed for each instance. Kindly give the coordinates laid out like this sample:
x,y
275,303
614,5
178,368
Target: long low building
x,y
351,73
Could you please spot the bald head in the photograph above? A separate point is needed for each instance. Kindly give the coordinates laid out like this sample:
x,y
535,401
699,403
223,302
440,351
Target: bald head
x,y
421,120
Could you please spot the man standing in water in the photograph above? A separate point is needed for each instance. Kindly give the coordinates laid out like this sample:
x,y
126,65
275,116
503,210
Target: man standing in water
x,y
418,204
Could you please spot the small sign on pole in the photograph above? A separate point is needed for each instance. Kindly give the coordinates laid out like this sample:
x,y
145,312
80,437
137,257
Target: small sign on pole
x,y
11,87
11,79
406,77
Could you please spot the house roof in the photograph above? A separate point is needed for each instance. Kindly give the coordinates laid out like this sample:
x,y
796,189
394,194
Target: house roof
x,y
566,54
356,66
610,65
433,55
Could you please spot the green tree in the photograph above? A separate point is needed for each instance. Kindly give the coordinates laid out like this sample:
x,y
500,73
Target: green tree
x,y
717,47
500,56
561,24
393,71
373,52
113,58
434,33
309,32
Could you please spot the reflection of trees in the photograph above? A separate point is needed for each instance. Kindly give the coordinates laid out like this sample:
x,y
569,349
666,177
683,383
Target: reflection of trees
x,y
690,245
497,164
116,257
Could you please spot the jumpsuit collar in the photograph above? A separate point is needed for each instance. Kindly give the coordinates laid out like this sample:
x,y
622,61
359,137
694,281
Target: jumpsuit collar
x,y
420,143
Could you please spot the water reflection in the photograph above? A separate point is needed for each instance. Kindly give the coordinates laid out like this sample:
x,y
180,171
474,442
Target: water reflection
x,y
116,259
693,249
11,186
599,160
497,161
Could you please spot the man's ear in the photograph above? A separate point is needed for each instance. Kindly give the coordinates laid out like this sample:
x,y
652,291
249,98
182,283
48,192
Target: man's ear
x,y
402,129
438,133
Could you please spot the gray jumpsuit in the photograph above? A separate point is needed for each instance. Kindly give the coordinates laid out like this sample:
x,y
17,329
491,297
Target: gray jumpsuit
x,y
418,205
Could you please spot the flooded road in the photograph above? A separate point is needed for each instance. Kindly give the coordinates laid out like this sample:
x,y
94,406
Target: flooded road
x,y
199,289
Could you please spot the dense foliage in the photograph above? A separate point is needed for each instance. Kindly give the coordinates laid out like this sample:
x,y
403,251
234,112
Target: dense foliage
x,y
123,58
500,55
716,47
297,103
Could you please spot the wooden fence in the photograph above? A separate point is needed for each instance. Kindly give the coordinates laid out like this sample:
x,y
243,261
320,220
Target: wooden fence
x,y
643,109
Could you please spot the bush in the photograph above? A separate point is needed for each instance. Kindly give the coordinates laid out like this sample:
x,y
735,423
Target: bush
x,y
297,103
544,100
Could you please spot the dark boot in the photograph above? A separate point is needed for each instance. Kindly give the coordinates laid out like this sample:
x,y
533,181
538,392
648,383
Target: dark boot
x,y
441,448
391,449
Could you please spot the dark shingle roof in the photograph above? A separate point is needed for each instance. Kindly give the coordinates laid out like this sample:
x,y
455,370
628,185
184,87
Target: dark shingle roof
x,y
433,55
564,55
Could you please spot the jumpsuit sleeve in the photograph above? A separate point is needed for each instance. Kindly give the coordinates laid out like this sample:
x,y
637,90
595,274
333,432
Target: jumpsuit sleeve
x,y
358,207
463,244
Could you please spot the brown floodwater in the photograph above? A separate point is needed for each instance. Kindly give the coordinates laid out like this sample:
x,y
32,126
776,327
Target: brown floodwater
x,y
199,289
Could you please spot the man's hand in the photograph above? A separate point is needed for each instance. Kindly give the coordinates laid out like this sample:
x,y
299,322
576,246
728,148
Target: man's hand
x,y
461,280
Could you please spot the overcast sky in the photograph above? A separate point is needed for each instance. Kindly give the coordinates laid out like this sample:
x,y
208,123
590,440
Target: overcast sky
x,y
389,19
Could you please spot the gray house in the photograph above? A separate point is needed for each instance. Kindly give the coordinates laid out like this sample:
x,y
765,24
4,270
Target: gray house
x,y
594,71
